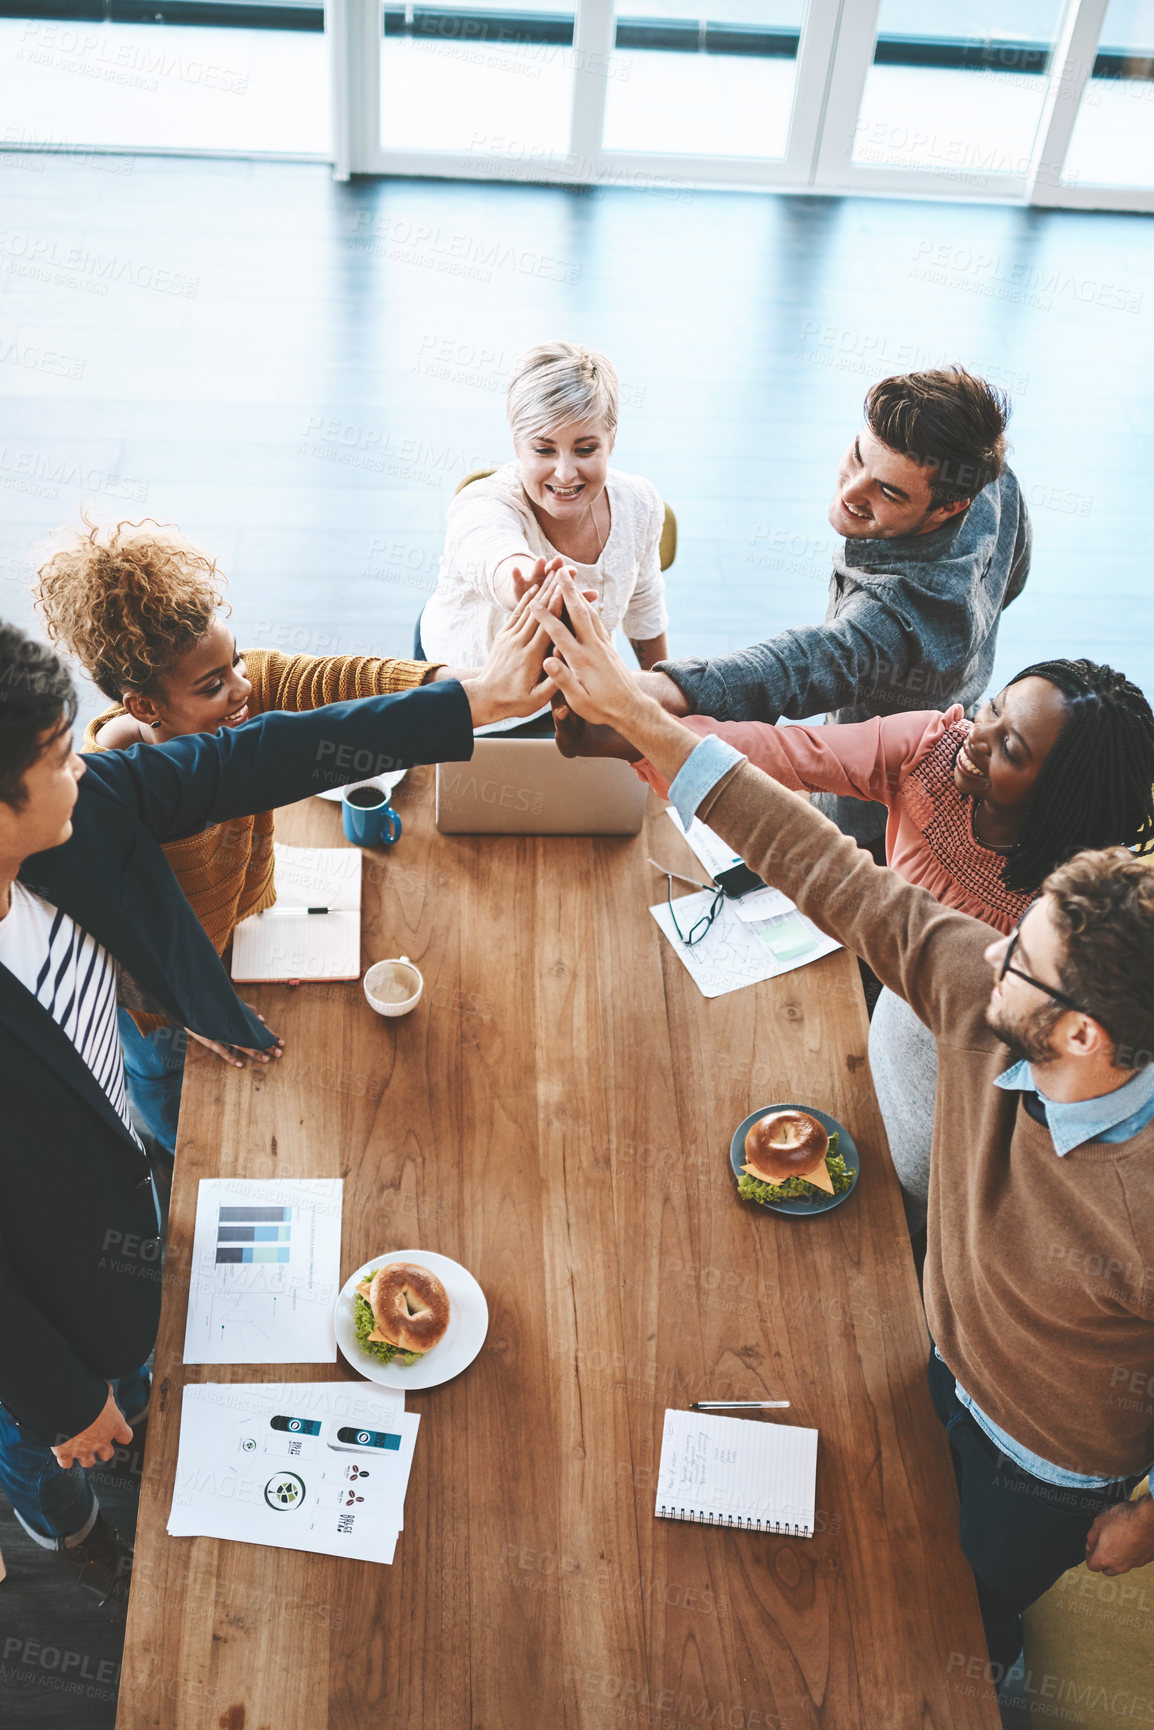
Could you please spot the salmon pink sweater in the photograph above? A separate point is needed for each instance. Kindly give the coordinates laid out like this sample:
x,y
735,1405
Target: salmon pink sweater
x,y
906,763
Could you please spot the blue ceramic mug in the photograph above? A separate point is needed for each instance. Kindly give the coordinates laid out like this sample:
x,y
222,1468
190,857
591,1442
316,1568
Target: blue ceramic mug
x,y
367,817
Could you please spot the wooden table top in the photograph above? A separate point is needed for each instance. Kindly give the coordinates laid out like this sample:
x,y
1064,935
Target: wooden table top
x,y
556,1115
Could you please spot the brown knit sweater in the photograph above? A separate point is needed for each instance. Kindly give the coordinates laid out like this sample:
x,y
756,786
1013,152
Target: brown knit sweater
x,y
226,871
1039,1279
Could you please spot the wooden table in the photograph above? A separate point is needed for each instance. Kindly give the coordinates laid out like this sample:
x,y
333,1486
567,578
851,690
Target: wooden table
x,y
556,1115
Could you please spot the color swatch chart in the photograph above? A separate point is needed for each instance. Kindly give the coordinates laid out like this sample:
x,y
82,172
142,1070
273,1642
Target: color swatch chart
x,y
266,1271
254,1234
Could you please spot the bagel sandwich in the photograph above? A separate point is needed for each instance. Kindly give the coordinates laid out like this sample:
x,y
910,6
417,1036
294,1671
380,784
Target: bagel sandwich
x,y
788,1154
401,1311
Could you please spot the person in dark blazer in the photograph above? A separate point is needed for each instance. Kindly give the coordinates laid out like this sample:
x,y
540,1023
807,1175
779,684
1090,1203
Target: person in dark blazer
x,y
88,907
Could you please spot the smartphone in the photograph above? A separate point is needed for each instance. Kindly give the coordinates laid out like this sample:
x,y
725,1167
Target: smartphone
x,y
739,880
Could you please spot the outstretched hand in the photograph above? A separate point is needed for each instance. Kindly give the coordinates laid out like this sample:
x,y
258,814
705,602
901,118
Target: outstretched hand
x,y
576,738
584,665
511,683
537,578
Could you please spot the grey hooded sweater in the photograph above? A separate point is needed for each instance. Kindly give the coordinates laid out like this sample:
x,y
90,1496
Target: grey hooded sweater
x,y
912,623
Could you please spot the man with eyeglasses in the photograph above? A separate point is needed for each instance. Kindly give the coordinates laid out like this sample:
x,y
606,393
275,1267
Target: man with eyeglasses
x,y
1039,1279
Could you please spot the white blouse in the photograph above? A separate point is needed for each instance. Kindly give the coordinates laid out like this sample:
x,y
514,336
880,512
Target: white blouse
x,y
492,519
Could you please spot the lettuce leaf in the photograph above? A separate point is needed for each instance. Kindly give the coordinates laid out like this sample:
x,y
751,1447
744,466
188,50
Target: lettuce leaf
x,y
753,1189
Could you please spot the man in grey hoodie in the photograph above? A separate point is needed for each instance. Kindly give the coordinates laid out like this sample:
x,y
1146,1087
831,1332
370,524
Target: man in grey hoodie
x,y
937,542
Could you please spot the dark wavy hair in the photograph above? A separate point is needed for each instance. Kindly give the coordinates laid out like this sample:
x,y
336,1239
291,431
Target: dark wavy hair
x,y
1094,788
947,418
37,697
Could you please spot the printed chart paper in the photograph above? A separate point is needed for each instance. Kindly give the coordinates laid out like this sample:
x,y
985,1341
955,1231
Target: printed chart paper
x,y
266,1263
315,1466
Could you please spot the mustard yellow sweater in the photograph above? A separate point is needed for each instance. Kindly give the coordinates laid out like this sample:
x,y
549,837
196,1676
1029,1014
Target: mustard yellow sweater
x,y
226,871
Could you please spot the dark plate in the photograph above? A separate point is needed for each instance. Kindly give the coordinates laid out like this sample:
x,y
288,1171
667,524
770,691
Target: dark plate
x,y
799,1203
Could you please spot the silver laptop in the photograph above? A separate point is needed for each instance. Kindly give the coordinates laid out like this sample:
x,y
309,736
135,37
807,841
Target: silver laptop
x,y
526,787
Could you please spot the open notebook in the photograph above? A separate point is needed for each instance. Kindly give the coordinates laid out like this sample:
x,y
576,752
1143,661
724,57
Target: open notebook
x,y
737,1472
289,942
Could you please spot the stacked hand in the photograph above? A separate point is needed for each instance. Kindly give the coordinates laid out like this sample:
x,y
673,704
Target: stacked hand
x,y
584,666
512,682
538,577
576,738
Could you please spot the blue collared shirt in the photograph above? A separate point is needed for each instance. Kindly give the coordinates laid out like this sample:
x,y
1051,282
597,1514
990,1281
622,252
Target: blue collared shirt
x,y
1111,1117
699,774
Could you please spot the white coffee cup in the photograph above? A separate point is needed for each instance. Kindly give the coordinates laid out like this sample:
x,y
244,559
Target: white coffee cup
x,y
394,987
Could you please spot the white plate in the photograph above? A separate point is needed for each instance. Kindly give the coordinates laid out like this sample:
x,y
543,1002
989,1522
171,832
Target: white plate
x,y
385,782
464,1336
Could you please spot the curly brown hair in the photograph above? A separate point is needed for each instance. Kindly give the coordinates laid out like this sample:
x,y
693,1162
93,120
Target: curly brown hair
x,y
128,601
1103,904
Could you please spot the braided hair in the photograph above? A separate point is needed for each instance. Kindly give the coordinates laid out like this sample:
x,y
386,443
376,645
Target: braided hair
x,y
1094,788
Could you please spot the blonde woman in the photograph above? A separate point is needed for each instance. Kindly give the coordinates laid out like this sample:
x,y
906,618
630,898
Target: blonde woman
x,y
558,501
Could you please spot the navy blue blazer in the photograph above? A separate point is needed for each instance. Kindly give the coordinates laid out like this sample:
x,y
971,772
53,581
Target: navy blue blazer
x,y
80,1252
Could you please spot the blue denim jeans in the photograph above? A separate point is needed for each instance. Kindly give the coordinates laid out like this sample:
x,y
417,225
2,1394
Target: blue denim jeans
x,y
154,1072
51,1503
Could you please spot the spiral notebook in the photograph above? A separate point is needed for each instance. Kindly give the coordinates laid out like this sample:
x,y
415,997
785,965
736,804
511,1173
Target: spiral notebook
x,y
314,931
737,1472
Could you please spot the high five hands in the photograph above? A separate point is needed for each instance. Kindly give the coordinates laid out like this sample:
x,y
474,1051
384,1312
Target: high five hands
x,y
512,683
594,684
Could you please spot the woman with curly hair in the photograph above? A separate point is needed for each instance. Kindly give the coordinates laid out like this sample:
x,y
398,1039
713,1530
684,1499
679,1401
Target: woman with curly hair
x,y
141,609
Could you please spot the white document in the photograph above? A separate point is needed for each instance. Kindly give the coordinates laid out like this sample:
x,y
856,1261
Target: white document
x,y
289,942
737,1472
315,1466
714,853
266,1271
762,904
732,952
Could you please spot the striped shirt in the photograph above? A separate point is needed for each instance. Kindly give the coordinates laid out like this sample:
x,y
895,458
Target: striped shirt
x,y
75,979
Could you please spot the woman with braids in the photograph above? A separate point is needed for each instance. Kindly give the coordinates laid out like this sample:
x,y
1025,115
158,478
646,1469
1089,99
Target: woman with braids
x,y
139,607
979,813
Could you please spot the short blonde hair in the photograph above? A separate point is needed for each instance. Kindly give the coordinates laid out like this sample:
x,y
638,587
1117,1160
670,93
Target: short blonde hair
x,y
557,384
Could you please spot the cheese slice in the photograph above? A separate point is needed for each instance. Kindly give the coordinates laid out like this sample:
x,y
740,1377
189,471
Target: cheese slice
x,y
820,1177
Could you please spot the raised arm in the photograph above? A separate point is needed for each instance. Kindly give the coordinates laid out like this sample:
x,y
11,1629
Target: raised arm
x,y
487,548
926,953
299,682
859,760
190,783
867,650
